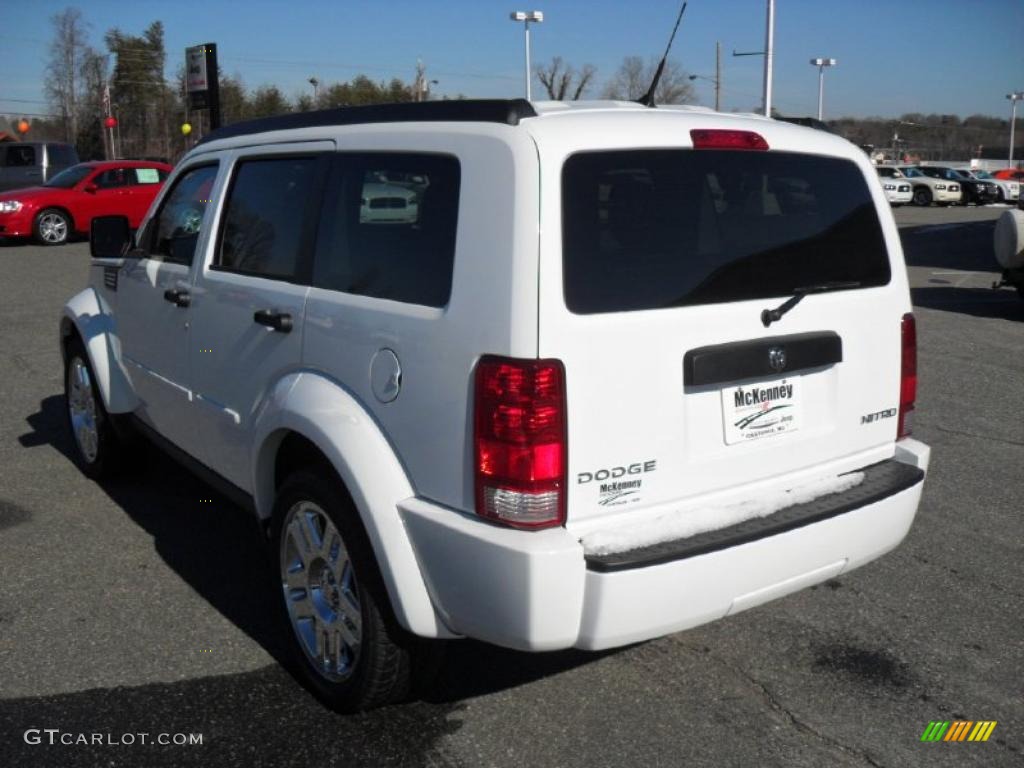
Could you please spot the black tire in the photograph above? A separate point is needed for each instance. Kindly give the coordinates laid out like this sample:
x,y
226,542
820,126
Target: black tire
x,y
1000,195
922,196
381,671
101,454
52,227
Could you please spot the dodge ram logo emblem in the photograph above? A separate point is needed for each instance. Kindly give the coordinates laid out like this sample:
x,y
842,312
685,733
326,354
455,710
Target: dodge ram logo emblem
x,y
777,358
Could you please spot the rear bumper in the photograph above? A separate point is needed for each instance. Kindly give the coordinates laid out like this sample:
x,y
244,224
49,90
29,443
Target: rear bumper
x,y
538,591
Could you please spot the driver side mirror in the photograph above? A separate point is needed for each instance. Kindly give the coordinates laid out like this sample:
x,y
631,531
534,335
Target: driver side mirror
x,y
90,189
110,237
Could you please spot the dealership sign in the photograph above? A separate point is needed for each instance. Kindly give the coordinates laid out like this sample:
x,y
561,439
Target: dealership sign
x,y
201,77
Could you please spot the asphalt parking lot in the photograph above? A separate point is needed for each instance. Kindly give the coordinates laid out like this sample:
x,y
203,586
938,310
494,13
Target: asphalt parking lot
x,y
135,608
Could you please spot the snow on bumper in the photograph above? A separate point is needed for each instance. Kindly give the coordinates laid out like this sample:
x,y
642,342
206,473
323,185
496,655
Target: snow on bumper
x,y
534,590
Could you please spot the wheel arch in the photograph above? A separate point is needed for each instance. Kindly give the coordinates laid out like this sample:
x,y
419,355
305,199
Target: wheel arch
x,y
309,418
84,317
63,209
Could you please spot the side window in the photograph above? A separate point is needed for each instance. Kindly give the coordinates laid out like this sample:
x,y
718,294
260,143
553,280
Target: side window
x,y
112,178
388,227
176,227
145,176
19,157
264,215
60,155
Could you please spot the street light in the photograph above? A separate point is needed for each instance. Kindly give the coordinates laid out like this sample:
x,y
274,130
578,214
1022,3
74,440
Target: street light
x,y
717,79
1014,98
526,17
821,64
316,90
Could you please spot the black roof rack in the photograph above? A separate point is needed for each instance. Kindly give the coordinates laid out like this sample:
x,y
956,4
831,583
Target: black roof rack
x,y
506,111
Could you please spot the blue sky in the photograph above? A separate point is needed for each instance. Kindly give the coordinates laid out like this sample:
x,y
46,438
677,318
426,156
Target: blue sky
x,y
894,56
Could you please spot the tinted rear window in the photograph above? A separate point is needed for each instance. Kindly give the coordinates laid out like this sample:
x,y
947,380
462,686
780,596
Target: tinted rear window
x,y
388,227
650,229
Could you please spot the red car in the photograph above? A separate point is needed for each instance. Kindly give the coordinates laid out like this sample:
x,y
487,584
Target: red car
x,y
1010,174
68,202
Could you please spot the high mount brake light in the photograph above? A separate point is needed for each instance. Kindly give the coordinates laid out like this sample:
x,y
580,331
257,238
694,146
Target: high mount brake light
x,y
720,138
908,374
519,441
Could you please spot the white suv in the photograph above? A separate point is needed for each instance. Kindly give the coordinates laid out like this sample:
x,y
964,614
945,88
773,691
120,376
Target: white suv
x,y
619,371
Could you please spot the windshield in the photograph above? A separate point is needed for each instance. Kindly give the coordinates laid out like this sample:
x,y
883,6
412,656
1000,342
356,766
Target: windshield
x,y
67,179
650,229
982,174
912,173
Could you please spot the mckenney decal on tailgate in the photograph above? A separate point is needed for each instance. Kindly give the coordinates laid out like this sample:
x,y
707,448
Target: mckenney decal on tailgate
x,y
758,410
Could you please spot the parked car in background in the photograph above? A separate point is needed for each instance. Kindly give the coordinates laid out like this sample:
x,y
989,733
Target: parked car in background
x,y
388,203
30,163
1007,190
1016,174
897,188
928,190
975,191
68,202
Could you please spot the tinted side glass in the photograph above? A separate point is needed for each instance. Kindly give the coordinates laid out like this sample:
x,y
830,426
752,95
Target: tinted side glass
x,y
263,218
20,156
61,155
649,229
176,227
388,226
111,179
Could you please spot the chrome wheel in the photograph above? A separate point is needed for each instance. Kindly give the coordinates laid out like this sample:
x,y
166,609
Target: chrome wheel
x,y
320,591
53,227
82,409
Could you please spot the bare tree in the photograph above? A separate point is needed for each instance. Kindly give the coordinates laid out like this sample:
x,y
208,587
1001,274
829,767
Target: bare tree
x,y
633,78
559,79
70,32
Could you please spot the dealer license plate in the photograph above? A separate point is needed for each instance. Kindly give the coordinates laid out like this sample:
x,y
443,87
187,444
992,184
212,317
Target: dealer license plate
x,y
761,409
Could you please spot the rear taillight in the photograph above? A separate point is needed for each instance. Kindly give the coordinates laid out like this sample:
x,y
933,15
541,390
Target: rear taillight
x,y
908,374
519,441
718,138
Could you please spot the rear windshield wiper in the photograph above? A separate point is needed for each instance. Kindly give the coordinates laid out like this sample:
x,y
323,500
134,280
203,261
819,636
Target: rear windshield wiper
x,y
769,316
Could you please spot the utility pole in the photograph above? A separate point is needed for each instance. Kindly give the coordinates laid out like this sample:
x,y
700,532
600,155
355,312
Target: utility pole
x,y
718,76
420,83
769,56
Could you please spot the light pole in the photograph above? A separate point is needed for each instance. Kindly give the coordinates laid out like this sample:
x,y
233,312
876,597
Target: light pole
x,y
526,17
717,79
821,64
1014,98
769,57
316,90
